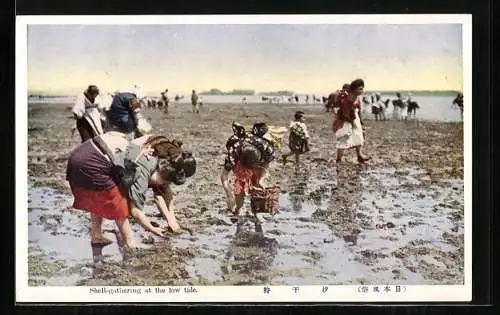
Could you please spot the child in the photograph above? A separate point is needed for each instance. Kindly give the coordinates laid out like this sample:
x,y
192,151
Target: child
x,y
299,137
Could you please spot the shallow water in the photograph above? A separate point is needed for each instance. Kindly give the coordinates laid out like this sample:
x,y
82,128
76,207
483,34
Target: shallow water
x,y
59,232
296,248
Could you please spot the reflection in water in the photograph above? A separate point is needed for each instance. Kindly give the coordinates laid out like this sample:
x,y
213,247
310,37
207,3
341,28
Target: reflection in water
x,y
250,254
345,201
298,186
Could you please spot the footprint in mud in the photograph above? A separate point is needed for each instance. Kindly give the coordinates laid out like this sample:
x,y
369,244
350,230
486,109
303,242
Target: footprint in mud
x,y
250,253
388,225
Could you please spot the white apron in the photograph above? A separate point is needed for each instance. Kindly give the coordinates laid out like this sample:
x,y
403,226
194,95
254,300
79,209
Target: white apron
x,y
351,134
84,108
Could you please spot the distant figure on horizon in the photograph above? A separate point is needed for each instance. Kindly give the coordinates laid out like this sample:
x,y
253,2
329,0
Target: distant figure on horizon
x,y
459,101
194,102
412,107
165,101
378,107
87,115
397,107
296,98
404,108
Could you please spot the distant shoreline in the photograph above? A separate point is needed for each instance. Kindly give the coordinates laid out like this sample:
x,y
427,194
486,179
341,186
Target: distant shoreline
x,y
278,93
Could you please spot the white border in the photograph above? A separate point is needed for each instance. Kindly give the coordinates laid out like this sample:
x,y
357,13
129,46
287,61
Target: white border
x,y
436,293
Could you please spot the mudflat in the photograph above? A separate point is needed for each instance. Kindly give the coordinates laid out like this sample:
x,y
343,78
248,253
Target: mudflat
x,y
399,219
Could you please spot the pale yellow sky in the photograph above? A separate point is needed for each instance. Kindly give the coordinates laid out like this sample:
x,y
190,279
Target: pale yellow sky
x,y
301,58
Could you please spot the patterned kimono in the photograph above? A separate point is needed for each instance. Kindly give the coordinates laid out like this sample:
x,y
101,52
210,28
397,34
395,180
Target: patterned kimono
x,y
246,178
298,138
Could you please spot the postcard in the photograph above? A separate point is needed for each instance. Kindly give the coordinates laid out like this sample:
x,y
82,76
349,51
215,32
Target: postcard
x,y
255,158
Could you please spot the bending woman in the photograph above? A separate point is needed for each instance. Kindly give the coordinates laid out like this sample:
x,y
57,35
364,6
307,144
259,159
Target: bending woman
x,y
250,159
239,133
109,177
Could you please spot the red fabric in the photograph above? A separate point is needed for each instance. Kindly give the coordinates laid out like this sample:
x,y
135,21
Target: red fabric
x,y
244,179
348,103
110,204
337,124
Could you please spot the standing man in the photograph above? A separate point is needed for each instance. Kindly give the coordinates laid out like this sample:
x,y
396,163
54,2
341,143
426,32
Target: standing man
x,y
194,102
87,115
165,101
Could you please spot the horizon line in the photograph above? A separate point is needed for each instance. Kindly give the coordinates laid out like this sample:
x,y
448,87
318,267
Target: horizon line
x,y
47,93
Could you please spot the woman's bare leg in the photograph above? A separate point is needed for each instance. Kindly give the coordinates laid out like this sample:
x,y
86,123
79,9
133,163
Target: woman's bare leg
x,y
361,157
126,232
239,201
284,157
340,154
297,158
96,230
224,178
263,177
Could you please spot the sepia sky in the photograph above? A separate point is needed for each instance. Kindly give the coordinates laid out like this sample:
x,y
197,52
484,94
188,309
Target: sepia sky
x,y
302,58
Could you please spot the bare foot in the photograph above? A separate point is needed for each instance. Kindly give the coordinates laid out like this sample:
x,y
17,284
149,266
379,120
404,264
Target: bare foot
x,y
231,205
100,241
363,159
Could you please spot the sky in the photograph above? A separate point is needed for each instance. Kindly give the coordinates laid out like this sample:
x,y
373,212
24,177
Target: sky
x,y
301,58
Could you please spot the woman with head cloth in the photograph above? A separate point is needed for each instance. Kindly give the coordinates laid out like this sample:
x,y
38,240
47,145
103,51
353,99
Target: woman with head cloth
x,y
109,177
348,126
124,115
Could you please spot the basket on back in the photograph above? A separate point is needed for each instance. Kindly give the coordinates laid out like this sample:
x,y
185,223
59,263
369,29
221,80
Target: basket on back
x,y
264,200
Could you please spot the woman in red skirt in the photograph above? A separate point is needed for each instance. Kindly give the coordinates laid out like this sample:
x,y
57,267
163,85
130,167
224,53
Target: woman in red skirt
x,y
109,177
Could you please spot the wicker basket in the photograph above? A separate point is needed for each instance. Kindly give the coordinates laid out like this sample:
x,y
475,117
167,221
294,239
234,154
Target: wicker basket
x,y
264,200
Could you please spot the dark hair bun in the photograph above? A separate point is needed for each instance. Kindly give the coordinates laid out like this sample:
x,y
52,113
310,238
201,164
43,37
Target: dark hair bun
x,y
299,114
357,84
163,147
250,156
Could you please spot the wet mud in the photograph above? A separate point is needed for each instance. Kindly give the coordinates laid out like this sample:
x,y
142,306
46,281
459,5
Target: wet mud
x,y
398,219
